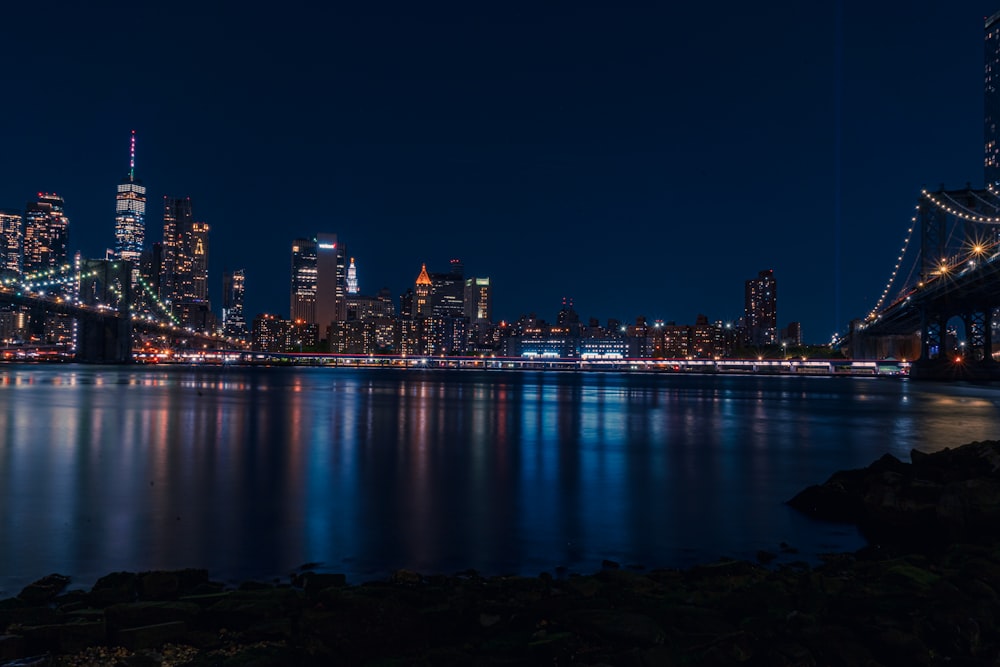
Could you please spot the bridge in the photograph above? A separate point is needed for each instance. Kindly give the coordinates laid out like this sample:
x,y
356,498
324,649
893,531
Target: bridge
x,y
953,284
97,296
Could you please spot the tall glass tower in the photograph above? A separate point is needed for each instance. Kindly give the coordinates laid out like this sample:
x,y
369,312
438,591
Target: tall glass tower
x,y
130,213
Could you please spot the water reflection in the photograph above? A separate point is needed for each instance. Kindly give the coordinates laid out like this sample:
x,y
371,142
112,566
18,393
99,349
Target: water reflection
x,y
253,472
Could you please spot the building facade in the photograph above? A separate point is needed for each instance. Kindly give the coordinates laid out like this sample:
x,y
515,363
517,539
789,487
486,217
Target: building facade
x,y
11,242
302,301
46,234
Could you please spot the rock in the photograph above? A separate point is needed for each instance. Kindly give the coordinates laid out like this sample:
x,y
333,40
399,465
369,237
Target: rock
x,y
44,590
113,588
945,497
610,564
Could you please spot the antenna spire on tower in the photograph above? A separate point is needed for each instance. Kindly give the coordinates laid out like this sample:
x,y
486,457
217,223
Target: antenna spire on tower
x,y
131,159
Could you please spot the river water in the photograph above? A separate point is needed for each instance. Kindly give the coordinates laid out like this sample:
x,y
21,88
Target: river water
x,y
251,472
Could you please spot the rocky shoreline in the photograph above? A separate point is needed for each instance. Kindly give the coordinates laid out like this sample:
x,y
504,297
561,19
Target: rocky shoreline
x,y
926,591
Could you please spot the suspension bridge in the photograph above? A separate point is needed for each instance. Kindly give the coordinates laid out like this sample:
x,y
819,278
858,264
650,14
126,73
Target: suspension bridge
x,y
940,303
97,299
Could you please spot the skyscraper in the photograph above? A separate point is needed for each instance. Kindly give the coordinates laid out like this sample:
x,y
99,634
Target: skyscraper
x,y
422,294
199,261
303,289
331,282
761,309
234,323
479,300
46,234
11,242
130,213
352,278
176,281
992,99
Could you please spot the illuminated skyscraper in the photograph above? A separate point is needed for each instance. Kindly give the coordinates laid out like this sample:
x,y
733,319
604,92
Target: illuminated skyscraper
x,y
234,323
46,234
130,213
11,242
199,261
352,278
303,292
761,309
422,294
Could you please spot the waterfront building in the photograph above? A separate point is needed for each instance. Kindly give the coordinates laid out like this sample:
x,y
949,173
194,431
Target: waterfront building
x,y
706,339
269,333
46,234
130,213
761,309
11,242
992,100
234,323
303,286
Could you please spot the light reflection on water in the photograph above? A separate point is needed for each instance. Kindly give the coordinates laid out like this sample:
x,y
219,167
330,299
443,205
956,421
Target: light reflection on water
x,y
252,472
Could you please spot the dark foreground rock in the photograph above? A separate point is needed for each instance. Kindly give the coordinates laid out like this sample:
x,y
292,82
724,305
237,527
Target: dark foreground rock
x,y
939,499
881,606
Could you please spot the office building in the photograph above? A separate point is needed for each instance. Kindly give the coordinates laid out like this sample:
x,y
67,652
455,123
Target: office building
x,y
11,242
760,312
331,281
46,234
130,213
176,280
303,287
478,300
448,291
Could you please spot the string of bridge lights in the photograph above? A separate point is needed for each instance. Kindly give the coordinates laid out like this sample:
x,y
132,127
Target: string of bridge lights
x,y
33,277
159,304
961,211
895,269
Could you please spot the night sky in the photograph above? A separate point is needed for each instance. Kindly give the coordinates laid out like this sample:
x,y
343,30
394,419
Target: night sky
x,y
644,159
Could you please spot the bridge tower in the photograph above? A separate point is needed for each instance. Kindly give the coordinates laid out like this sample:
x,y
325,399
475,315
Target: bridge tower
x,y
958,229
107,336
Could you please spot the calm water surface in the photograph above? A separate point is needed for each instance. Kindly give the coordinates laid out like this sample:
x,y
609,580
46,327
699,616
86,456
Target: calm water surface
x,y
253,472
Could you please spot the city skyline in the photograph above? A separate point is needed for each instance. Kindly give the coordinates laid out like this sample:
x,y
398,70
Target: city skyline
x,y
609,188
